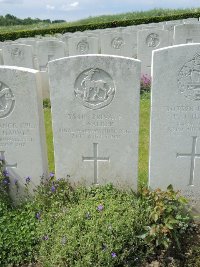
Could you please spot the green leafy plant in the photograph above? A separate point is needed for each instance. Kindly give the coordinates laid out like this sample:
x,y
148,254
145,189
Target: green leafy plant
x,y
169,218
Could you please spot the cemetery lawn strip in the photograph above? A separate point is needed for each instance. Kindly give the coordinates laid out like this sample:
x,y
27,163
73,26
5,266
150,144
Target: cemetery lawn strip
x,y
144,138
49,138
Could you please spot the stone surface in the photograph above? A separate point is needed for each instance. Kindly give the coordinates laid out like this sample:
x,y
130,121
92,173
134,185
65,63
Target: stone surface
x,y
22,133
187,33
147,41
95,109
20,55
49,50
83,45
175,121
116,43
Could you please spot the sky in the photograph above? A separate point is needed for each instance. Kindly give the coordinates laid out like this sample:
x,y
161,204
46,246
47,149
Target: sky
x,y
71,10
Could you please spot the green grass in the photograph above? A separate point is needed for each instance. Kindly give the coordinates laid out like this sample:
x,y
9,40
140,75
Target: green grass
x,y
102,19
143,138
49,138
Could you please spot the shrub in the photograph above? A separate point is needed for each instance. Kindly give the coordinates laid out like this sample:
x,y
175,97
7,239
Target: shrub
x,y
96,226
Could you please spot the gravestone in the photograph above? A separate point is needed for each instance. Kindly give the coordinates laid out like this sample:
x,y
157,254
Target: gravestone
x,y
116,43
49,50
147,41
18,55
175,121
22,134
1,57
190,20
83,45
187,33
133,32
170,29
95,109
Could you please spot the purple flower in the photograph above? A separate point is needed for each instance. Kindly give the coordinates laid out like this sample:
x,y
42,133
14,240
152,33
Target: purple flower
x,y
53,188
113,255
6,181
100,207
38,215
51,174
28,179
6,173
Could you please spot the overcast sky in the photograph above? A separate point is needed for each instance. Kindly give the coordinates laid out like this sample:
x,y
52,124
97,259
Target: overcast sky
x,y
70,10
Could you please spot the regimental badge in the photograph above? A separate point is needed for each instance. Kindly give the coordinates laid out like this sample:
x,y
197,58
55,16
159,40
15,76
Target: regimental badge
x,y
94,88
117,43
153,40
189,79
83,47
7,100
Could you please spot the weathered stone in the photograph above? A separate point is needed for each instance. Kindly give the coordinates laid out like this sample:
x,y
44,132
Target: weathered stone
x,y
22,134
95,109
175,121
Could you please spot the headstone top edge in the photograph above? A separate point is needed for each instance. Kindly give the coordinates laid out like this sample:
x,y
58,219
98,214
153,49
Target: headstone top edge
x,y
15,68
175,47
94,56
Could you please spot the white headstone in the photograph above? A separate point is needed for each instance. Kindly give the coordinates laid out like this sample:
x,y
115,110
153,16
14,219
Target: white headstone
x,y
95,110
187,33
83,45
20,55
49,50
116,43
147,41
133,32
22,132
175,121
190,20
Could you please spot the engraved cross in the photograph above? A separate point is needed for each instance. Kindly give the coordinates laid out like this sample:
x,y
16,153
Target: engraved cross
x,y
192,156
3,162
96,159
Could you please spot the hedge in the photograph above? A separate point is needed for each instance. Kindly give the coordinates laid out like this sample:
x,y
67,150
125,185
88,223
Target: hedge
x,y
31,33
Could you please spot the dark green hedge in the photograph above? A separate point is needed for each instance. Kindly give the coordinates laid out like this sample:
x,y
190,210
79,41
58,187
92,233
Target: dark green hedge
x,y
31,33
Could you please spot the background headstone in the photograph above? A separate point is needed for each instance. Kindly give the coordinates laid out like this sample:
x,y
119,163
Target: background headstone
x,y
175,121
95,110
49,50
83,45
116,43
187,33
20,55
147,41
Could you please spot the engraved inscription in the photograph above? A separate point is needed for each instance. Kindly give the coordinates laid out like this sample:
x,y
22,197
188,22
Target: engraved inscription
x,y
17,52
192,157
95,159
117,43
83,47
7,100
94,88
4,163
15,135
153,40
189,79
